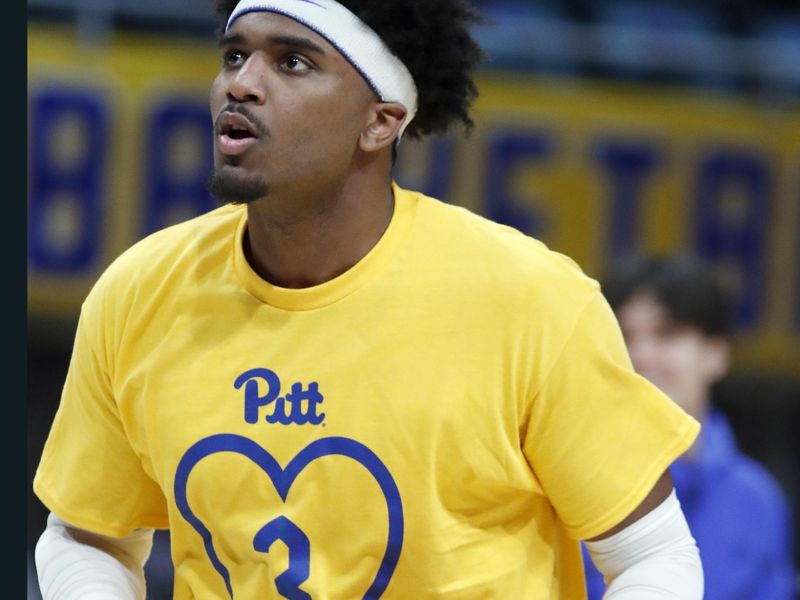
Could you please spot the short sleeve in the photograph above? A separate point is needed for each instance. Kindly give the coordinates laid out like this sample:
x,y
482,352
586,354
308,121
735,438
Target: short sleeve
x,y
89,474
600,435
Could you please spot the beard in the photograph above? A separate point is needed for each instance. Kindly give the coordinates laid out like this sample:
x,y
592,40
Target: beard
x,y
228,187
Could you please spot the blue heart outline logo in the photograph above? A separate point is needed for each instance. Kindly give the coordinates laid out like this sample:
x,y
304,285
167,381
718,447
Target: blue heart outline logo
x,y
283,479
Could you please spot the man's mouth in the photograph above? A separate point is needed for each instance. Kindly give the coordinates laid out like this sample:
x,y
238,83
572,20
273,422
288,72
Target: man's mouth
x,y
235,133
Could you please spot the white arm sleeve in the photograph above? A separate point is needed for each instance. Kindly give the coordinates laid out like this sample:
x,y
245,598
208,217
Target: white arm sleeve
x,y
655,558
75,564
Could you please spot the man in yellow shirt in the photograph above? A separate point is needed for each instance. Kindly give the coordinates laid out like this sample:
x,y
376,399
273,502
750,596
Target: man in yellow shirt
x,y
414,401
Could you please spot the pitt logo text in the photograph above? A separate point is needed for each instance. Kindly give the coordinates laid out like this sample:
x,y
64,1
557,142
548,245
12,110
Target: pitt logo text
x,y
299,406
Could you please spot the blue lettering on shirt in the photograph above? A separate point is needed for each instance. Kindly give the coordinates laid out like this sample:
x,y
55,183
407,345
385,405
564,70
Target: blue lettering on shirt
x,y
288,583
302,403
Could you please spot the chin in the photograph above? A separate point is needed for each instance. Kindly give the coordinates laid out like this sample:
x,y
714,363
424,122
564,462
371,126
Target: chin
x,y
231,185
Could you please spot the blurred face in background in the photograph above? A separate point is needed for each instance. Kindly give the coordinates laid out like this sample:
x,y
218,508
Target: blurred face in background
x,y
680,359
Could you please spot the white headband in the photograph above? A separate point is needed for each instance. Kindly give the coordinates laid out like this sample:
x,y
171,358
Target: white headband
x,y
361,46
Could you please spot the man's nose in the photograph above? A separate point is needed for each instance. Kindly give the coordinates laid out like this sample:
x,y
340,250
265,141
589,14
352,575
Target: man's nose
x,y
644,355
247,85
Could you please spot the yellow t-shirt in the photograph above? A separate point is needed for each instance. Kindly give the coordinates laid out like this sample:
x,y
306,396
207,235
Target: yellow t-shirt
x,y
443,420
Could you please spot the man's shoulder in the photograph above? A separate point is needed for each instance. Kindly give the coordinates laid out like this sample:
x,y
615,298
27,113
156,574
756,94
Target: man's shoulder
x,y
190,242
735,473
755,484
483,249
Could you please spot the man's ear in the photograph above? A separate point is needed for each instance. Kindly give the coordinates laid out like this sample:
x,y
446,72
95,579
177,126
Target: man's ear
x,y
717,357
383,127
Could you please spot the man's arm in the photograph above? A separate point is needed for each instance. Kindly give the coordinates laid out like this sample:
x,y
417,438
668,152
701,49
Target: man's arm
x,y
651,554
75,564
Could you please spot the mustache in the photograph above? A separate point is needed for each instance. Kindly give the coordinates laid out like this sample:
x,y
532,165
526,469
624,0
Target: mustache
x,y
235,107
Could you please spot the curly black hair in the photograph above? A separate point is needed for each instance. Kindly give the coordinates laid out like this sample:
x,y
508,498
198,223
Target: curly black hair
x,y
432,39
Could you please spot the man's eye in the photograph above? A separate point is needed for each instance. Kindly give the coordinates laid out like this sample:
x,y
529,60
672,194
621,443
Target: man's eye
x,y
296,64
233,57
670,331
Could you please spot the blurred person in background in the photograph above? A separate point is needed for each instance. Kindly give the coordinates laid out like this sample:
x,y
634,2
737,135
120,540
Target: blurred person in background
x,y
675,315
411,399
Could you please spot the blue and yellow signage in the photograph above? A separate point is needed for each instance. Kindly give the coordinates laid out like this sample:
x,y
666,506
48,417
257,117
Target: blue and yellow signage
x,y
120,146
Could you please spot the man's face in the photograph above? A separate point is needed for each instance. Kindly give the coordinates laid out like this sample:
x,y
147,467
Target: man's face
x,y
679,359
288,110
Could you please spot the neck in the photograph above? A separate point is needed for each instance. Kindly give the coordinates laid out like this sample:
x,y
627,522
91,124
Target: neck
x,y
302,239
700,413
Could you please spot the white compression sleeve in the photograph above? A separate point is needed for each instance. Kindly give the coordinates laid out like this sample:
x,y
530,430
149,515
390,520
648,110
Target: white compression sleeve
x,y
75,564
655,558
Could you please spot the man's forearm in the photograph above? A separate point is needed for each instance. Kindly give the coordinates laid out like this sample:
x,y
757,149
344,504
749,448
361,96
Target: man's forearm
x,y
655,558
74,564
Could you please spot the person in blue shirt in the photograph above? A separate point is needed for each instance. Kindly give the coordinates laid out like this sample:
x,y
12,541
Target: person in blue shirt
x,y
675,318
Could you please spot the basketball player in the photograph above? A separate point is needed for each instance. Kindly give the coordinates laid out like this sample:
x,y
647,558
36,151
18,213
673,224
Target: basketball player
x,y
332,387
